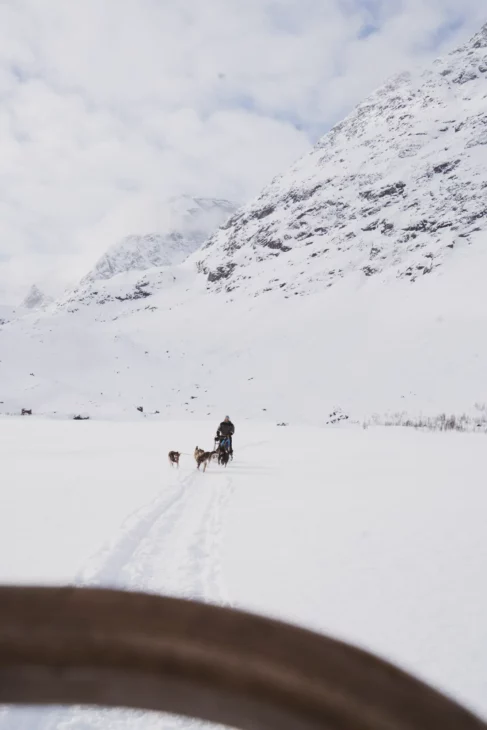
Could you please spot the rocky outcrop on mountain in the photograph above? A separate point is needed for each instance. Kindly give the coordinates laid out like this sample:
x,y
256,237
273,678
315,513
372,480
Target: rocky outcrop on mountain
x,y
388,193
130,286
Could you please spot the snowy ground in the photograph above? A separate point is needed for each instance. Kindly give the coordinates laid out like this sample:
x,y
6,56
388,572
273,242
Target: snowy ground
x,y
376,536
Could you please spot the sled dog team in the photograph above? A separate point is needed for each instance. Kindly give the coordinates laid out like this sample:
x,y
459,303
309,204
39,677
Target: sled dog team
x,y
223,448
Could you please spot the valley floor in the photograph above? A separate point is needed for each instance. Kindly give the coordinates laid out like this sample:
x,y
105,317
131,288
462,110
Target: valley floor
x,y
375,536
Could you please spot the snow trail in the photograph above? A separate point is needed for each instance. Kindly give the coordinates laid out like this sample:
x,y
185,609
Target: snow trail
x,y
106,566
171,545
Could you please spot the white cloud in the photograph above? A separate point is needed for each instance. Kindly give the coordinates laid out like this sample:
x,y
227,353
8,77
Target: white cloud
x,y
106,109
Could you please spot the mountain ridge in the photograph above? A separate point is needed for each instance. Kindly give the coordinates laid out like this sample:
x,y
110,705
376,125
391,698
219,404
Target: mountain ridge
x,y
137,265
189,221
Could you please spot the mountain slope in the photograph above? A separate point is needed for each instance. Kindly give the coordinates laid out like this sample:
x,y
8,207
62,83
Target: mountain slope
x,y
388,193
189,221
188,354
10,313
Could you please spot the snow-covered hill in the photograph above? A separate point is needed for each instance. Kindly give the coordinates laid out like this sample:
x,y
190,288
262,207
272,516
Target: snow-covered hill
x,y
389,208
189,221
388,193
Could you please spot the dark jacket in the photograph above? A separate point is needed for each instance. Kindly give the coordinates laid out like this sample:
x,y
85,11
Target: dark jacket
x,y
226,428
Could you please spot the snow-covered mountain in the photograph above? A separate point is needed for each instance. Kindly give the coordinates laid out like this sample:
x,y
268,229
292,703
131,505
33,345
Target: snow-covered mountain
x,y
388,193
189,221
136,266
36,299
381,227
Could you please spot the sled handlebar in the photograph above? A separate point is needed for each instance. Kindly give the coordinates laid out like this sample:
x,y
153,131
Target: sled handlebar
x,y
112,648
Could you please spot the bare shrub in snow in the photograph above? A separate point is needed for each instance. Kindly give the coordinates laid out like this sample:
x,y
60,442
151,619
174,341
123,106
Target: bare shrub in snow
x,y
440,422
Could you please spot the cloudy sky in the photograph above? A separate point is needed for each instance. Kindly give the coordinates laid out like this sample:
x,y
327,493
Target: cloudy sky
x,y
107,107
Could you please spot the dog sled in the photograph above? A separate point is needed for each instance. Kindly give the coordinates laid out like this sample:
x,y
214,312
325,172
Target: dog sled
x,y
224,444
83,646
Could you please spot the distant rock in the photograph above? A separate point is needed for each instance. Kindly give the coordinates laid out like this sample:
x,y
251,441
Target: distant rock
x,y
36,299
337,416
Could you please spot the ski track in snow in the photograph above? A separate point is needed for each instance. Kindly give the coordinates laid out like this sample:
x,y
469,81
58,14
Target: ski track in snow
x,y
171,546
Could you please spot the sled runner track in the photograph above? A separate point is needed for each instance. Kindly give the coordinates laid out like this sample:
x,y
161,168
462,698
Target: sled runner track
x,y
202,561
158,559
171,546
180,554
106,567
215,586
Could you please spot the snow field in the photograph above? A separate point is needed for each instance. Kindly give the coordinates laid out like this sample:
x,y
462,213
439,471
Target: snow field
x,y
375,536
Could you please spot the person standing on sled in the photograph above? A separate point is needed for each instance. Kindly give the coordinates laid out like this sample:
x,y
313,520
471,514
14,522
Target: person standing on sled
x,y
226,429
